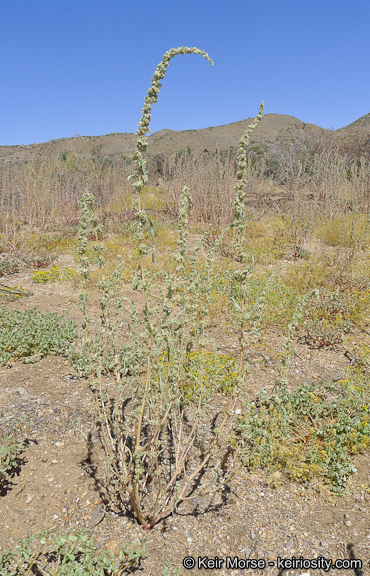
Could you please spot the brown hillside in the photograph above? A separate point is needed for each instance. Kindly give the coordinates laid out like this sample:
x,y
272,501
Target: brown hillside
x,y
359,126
273,127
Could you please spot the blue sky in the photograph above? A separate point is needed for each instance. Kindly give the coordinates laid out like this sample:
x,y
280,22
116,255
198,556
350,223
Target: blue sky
x,y
84,66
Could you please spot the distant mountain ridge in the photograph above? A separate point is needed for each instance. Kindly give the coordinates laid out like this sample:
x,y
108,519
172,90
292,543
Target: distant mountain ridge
x,y
361,125
273,127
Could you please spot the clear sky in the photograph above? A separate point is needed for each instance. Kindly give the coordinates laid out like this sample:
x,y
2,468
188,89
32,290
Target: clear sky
x,y
83,66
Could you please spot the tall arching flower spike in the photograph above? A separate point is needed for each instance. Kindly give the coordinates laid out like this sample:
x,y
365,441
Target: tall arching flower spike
x,y
139,173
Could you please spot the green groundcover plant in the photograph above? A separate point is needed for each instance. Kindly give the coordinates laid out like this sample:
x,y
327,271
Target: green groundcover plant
x,y
313,431
31,334
54,274
70,553
11,446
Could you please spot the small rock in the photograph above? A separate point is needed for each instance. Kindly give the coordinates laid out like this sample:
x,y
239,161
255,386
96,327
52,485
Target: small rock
x,y
323,544
290,545
114,547
238,411
255,478
253,534
29,498
97,516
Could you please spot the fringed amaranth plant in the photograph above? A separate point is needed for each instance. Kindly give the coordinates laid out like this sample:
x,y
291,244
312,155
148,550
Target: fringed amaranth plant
x,y
154,422
239,188
164,444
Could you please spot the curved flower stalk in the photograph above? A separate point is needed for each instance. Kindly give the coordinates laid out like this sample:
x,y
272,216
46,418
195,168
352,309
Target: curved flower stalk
x,y
151,98
240,277
241,163
139,175
140,179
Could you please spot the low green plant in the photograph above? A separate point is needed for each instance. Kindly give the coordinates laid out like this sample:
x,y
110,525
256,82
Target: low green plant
x,y
40,260
171,569
71,553
31,334
313,431
11,446
9,266
327,320
54,274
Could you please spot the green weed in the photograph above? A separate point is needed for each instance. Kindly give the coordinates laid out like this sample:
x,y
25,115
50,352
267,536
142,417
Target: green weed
x,y
13,292
70,553
11,447
311,432
40,260
327,320
9,266
31,334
